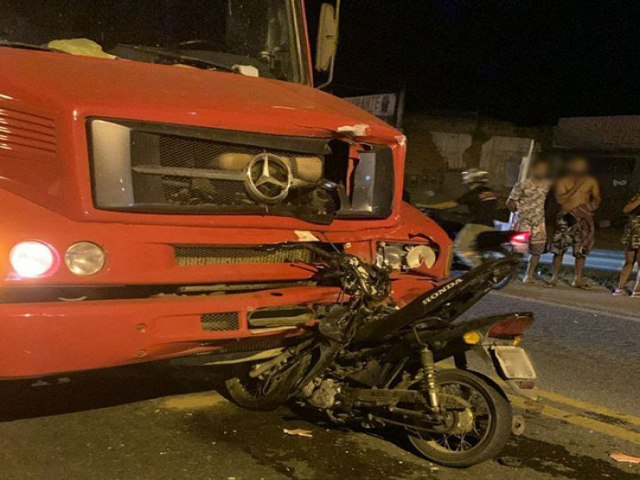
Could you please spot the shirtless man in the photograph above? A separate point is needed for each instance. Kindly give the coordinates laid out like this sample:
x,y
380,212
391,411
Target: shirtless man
x,y
579,197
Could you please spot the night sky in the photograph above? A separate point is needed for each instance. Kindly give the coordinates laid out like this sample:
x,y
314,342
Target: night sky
x,y
529,61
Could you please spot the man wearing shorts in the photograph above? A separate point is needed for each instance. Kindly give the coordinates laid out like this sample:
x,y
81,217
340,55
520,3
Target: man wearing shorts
x,y
631,243
579,197
527,199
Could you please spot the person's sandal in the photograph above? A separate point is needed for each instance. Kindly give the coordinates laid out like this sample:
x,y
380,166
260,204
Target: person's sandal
x,y
619,292
581,286
635,295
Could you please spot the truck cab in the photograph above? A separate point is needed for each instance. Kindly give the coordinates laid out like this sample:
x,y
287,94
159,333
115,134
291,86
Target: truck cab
x,y
164,166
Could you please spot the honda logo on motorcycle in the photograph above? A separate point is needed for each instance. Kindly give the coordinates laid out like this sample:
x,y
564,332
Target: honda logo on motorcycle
x,y
438,293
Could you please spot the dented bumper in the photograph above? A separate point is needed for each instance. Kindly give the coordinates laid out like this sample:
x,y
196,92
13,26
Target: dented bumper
x,y
44,339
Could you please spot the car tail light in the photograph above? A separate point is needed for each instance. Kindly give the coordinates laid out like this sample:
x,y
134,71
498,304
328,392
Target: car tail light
x,y
511,327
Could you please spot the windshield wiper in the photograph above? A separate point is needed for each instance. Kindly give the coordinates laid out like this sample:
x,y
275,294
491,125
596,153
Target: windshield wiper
x,y
27,46
186,59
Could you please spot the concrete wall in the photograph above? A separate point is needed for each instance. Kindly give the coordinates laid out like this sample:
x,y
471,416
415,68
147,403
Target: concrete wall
x,y
440,148
502,157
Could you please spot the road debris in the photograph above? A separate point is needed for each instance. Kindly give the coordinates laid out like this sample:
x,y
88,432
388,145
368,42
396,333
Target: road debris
x,y
624,458
298,432
511,462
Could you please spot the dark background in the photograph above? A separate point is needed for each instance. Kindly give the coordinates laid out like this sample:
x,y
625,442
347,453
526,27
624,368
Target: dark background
x,y
529,61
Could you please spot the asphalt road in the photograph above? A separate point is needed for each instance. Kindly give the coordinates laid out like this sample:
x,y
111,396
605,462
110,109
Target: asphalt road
x,y
162,422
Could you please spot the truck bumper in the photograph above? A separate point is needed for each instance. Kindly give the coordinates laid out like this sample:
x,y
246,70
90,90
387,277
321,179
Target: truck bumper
x,y
43,339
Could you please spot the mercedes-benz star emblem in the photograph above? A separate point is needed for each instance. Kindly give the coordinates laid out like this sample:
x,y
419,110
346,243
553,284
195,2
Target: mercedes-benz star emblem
x,y
269,178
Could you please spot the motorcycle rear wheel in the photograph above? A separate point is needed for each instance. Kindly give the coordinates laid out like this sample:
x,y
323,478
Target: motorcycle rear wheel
x,y
491,428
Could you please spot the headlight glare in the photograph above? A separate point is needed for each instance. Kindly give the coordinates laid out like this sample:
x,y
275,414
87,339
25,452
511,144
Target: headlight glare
x,y
33,259
85,258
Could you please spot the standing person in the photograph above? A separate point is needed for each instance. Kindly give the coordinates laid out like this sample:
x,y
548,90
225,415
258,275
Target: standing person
x,y
482,203
528,199
631,241
579,197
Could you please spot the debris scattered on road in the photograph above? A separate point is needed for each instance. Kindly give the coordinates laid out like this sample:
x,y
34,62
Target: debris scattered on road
x,y
519,425
511,462
40,383
624,458
298,432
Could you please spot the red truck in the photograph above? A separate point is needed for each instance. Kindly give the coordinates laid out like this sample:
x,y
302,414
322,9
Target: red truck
x,y
162,169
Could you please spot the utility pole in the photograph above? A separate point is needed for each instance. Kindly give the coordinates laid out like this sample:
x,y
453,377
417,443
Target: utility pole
x,y
401,103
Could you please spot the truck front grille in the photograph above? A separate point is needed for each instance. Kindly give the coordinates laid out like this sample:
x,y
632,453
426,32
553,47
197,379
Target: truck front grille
x,y
173,169
190,170
185,153
199,256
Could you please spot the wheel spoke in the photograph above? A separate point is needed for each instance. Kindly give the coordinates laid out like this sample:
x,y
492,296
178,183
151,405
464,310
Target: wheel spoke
x,y
457,399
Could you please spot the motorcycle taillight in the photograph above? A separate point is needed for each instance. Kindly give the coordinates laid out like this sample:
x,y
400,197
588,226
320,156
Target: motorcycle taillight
x,y
511,327
520,237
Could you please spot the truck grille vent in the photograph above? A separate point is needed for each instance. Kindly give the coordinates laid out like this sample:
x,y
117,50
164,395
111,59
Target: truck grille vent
x,y
26,133
180,152
285,316
252,346
220,322
196,256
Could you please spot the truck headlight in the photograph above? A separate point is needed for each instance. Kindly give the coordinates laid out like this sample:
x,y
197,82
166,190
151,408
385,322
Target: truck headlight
x,y
402,257
421,255
85,258
393,257
33,259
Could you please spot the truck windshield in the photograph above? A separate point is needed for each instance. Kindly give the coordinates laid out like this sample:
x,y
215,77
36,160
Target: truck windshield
x,y
258,36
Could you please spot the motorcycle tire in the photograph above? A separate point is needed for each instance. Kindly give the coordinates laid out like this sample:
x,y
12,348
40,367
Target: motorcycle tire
x,y
502,253
504,283
242,390
498,431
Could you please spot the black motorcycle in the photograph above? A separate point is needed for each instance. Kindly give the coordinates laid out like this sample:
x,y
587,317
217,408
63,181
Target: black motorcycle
x,y
371,363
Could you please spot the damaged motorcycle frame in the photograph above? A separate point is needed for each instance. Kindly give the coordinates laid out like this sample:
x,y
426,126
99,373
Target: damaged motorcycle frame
x,y
371,363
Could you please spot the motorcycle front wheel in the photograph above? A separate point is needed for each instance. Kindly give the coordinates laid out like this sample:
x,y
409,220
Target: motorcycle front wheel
x,y
482,409
265,393
506,280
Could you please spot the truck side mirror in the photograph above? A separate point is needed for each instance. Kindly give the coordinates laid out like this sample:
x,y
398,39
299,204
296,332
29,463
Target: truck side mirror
x,y
327,43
